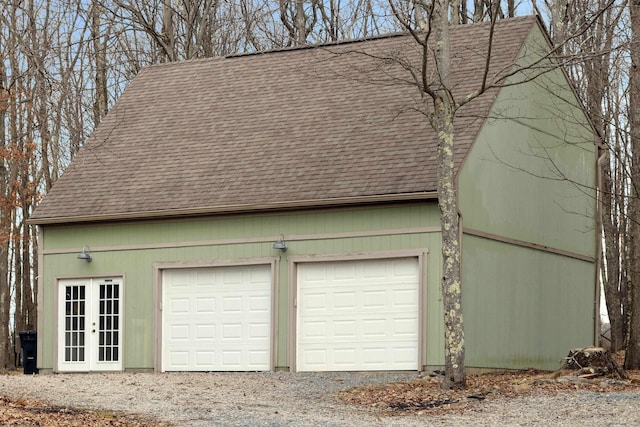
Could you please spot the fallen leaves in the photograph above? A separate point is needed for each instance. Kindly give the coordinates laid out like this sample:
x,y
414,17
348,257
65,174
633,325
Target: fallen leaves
x,y
426,395
21,412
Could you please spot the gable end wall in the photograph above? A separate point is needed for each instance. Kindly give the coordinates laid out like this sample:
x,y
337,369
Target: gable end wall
x,y
527,197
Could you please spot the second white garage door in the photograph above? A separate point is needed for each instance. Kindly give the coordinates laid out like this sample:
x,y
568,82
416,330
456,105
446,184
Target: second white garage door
x,y
358,315
217,319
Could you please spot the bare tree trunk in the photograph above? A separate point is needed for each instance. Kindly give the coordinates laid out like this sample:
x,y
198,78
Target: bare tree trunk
x,y
168,32
511,8
19,318
100,52
478,10
300,23
330,20
612,278
592,77
464,18
558,24
632,355
421,16
442,121
6,352
40,93
456,16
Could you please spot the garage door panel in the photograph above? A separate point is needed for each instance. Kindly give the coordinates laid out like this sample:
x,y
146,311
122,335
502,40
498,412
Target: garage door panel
x,y
206,305
358,315
374,272
345,329
258,358
219,321
231,331
405,298
375,328
371,357
314,358
180,279
179,332
343,272
179,305
375,324
205,358
232,304
259,331
344,300
205,332
231,277
314,273
404,327
179,358
314,301
259,303
204,277
374,299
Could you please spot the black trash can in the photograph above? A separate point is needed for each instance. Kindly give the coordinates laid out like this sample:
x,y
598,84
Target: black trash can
x,y
29,344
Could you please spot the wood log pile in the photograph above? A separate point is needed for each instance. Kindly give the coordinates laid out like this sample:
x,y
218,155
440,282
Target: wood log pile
x,y
592,362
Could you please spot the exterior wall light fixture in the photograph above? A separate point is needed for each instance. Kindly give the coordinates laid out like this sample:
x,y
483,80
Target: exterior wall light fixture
x,y
280,244
85,255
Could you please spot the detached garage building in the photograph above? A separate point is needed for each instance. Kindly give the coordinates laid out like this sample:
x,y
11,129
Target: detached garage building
x,y
279,211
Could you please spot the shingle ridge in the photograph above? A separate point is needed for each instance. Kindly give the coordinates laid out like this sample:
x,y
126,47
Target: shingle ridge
x,y
275,51
398,34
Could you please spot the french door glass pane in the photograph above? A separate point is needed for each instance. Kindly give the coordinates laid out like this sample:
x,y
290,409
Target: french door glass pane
x,y
108,321
74,323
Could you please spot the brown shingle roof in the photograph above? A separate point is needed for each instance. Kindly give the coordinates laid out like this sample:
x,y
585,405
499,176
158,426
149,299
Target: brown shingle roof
x,y
297,127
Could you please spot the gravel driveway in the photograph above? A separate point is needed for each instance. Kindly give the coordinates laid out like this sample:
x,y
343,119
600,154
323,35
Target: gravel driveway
x,y
299,399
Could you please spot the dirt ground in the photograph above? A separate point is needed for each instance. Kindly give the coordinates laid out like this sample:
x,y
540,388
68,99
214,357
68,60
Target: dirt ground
x,y
423,395
32,413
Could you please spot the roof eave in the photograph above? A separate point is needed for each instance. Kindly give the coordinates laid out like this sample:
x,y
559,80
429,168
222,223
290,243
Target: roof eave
x,y
230,209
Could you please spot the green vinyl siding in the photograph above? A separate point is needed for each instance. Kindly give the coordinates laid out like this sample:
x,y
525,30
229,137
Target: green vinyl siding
x,y
239,227
531,174
529,181
532,306
131,249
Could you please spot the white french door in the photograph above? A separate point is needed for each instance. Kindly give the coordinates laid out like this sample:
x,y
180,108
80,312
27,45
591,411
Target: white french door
x,y
90,325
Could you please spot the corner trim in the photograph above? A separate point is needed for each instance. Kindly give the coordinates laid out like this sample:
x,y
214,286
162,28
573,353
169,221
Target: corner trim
x,y
40,308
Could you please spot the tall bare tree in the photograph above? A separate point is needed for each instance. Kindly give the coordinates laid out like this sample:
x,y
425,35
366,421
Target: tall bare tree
x,y
297,21
593,54
444,111
100,55
5,289
433,82
632,355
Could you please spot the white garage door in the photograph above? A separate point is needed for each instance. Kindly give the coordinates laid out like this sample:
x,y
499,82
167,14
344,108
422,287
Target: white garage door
x,y
217,319
358,315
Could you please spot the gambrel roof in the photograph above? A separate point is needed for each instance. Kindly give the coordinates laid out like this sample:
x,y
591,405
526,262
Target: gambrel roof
x,y
315,126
